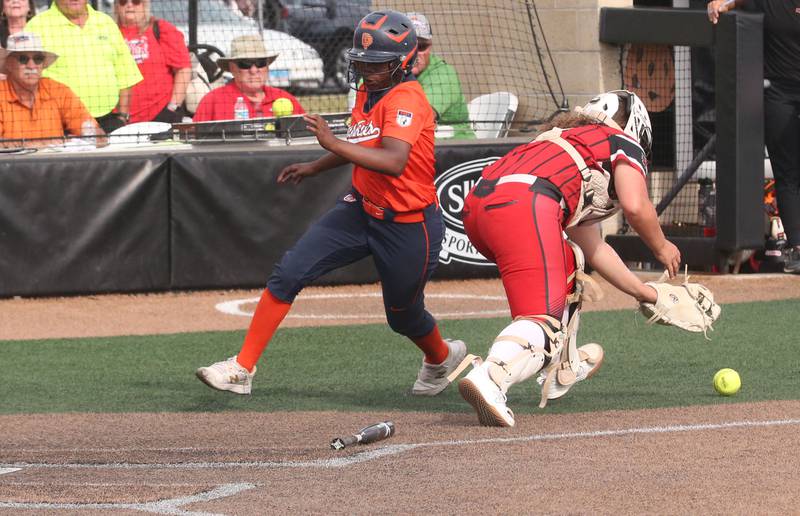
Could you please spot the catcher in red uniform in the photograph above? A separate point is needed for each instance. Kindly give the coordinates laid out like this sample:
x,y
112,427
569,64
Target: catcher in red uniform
x,y
583,169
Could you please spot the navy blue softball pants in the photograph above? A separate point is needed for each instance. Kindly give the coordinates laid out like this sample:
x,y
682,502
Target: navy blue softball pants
x,y
405,256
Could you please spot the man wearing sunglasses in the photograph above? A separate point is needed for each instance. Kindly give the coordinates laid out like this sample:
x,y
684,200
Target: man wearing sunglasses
x,y
249,64
440,82
33,107
94,59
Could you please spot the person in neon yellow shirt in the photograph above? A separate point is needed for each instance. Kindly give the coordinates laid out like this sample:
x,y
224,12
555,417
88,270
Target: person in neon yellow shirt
x,y
94,60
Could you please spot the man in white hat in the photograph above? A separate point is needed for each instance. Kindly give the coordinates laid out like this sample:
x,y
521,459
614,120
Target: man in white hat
x,y
32,106
440,81
249,63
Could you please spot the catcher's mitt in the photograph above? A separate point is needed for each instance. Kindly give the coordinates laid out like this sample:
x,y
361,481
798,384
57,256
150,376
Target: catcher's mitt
x,y
689,306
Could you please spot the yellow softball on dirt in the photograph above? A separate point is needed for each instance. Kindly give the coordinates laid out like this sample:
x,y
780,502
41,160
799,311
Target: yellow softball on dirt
x,y
727,382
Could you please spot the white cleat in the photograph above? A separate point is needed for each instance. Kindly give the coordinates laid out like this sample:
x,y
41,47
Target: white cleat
x,y
478,389
227,375
586,368
432,378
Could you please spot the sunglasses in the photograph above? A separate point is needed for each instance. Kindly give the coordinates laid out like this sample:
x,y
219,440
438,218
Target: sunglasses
x,y
424,45
125,2
246,64
24,58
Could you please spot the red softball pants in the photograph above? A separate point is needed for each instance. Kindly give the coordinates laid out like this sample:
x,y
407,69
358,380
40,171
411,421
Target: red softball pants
x,y
522,232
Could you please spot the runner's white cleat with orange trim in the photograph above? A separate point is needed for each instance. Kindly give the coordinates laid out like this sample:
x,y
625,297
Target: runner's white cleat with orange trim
x,y
432,378
227,375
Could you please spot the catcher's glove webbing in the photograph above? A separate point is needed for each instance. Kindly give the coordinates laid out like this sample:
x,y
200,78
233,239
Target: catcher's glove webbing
x,y
689,306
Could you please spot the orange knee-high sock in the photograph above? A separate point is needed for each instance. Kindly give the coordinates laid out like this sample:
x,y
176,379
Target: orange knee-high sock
x,y
269,314
433,346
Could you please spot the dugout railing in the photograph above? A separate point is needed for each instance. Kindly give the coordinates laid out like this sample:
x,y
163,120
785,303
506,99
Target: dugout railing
x,y
738,142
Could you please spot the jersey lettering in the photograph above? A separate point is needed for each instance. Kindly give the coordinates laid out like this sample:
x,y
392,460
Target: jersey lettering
x,y
363,131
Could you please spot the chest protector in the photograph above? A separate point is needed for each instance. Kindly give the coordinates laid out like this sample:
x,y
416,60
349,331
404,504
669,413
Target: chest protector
x,y
594,201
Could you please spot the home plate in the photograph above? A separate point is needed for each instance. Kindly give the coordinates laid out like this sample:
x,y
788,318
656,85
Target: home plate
x,y
3,471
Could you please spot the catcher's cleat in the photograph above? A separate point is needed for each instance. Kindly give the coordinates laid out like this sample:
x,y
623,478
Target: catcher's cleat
x,y
432,378
478,389
227,375
591,360
792,264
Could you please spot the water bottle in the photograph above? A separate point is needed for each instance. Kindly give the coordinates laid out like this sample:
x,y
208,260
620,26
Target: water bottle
x,y
240,111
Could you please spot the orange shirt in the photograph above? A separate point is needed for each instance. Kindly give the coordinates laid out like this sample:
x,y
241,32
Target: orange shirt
x,y
56,109
403,113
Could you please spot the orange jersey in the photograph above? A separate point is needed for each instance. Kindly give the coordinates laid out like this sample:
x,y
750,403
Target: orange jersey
x,y
56,110
403,113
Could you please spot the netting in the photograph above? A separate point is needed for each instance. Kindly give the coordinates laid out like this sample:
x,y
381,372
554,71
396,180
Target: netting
x,y
491,61
676,84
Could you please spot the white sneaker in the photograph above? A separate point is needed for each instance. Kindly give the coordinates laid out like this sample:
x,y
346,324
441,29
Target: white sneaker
x,y
227,375
432,378
478,389
586,368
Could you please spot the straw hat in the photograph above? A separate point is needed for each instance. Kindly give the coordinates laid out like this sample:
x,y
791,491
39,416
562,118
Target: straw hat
x,y
246,47
25,42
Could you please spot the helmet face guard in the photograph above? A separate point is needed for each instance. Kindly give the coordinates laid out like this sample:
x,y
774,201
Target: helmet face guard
x,y
638,121
382,37
394,75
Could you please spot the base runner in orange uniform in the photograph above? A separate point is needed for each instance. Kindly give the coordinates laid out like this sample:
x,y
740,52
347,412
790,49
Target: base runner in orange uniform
x,y
391,212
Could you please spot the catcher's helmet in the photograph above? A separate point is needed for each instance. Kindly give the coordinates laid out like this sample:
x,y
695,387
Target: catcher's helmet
x,y
637,122
383,36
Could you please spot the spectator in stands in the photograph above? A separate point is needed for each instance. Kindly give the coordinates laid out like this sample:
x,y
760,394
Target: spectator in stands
x,y
440,81
249,63
160,51
94,59
781,106
32,106
243,7
14,17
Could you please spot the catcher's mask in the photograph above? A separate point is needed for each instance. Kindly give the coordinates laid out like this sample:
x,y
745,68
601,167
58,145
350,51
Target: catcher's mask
x,y
637,121
382,37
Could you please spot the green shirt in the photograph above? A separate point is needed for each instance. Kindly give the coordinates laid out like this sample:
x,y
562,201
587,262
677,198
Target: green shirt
x,y
94,61
443,89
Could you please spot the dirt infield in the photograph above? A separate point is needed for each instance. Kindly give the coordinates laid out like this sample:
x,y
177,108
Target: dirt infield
x,y
147,314
725,458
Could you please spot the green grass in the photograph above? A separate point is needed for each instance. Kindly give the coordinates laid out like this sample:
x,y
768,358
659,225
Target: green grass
x,y
360,368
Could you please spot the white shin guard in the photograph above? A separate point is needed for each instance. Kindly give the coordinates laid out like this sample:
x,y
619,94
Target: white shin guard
x,y
517,353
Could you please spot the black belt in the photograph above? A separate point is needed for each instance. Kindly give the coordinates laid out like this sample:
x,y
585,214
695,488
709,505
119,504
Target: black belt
x,y
540,185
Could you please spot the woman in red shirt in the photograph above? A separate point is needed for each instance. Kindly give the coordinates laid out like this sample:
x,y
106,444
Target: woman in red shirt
x,y
390,214
160,51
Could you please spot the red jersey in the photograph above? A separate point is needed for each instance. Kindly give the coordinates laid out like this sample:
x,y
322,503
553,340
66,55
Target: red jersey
x,y
218,103
158,60
601,146
403,113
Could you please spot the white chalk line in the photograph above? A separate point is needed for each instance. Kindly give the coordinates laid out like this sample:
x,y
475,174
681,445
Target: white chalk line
x,y
234,307
320,463
3,471
170,506
400,448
